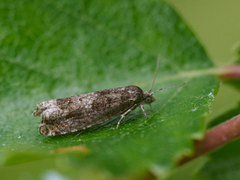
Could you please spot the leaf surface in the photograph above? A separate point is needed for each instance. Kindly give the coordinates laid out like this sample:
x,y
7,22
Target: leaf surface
x,y
55,49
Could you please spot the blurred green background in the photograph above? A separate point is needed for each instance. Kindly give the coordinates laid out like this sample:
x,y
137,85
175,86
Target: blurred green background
x,y
217,26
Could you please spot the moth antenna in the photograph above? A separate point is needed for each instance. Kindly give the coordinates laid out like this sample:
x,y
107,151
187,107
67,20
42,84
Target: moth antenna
x,y
166,88
155,73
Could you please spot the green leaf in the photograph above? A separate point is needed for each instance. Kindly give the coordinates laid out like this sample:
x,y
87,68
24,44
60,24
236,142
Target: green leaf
x,y
55,49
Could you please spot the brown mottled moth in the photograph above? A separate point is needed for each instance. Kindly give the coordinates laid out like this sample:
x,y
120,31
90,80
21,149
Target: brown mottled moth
x,y
66,115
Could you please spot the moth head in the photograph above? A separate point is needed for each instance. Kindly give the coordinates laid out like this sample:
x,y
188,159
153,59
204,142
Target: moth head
x,y
147,96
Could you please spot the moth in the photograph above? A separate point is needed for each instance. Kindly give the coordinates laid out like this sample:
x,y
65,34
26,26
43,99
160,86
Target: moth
x,y
75,113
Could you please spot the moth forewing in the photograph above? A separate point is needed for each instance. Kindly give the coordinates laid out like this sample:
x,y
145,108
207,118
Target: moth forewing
x,y
62,116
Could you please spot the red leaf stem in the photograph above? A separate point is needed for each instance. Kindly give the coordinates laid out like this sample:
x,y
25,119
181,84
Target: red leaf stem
x,y
215,138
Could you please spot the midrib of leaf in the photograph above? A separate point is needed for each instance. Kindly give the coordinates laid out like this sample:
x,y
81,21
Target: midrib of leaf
x,y
186,74
179,75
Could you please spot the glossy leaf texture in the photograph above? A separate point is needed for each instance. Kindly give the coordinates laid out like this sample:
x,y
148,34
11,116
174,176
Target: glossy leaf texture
x,y
54,49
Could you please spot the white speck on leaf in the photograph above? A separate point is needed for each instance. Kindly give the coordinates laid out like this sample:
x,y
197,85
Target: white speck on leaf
x,y
210,95
195,109
53,175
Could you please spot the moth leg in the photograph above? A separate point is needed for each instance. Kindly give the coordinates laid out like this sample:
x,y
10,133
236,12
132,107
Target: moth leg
x,y
124,114
150,106
142,107
78,134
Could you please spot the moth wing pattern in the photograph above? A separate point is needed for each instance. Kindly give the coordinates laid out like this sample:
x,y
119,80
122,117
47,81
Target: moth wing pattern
x,y
65,115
